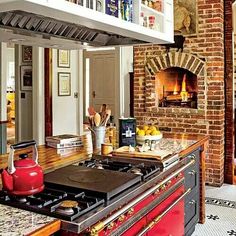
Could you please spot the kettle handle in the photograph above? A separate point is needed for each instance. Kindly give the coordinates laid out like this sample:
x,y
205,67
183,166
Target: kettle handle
x,y
25,144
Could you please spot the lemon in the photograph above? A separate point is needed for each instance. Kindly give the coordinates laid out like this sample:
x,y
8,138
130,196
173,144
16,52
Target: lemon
x,y
145,127
148,132
153,128
141,132
155,132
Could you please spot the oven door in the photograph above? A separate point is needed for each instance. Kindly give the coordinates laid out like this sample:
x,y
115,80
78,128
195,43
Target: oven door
x,y
165,219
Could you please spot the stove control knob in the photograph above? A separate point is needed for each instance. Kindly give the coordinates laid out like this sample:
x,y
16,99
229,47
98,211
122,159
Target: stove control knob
x,y
121,218
192,172
179,175
110,226
163,187
157,192
131,211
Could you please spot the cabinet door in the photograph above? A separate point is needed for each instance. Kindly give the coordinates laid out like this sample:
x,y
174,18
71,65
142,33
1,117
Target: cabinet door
x,y
173,222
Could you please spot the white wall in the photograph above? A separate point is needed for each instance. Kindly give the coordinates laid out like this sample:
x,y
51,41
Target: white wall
x,y
24,104
66,108
126,66
3,82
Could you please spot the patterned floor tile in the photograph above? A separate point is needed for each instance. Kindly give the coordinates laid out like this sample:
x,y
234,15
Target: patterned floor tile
x,y
220,221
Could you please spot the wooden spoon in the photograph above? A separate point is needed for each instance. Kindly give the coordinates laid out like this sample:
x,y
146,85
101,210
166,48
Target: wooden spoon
x,y
97,119
91,111
108,114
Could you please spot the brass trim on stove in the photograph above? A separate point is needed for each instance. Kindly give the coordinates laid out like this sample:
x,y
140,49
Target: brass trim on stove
x,y
159,217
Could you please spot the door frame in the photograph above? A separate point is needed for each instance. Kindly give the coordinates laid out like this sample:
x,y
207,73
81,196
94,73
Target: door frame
x,y
117,84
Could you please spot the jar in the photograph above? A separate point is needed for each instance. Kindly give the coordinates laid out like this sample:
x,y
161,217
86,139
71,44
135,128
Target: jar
x,y
141,18
151,22
107,148
145,21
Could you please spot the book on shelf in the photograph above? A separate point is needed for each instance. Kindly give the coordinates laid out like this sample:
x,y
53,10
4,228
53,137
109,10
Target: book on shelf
x,y
63,138
65,145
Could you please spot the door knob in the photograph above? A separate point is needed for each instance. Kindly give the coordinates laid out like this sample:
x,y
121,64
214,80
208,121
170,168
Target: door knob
x,y
94,94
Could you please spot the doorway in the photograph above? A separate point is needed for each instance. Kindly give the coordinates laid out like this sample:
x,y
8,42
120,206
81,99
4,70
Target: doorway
x,y
101,84
10,96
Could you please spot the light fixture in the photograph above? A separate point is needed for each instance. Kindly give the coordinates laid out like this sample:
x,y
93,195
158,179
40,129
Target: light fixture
x,y
14,40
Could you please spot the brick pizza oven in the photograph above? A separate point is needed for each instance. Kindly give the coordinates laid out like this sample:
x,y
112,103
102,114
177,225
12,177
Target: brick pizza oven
x,y
202,59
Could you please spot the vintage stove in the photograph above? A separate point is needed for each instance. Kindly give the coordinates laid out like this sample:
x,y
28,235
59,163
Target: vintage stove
x,y
107,196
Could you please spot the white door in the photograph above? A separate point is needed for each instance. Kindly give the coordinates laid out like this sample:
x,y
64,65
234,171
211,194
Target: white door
x,y
102,69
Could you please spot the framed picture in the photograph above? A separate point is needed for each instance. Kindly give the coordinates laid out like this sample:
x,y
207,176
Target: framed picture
x,y
64,84
63,58
26,53
185,17
26,78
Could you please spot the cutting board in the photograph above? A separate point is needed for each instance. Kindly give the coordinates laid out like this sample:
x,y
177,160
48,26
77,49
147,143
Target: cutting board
x,y
157,154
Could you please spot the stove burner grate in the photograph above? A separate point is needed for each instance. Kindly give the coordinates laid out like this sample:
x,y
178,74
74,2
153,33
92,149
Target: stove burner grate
x,y
48,202
141,169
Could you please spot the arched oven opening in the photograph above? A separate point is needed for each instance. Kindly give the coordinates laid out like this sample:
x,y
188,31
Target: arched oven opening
x,y
176,87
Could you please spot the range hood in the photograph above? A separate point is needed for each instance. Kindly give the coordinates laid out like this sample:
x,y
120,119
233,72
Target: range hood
x,y
58,23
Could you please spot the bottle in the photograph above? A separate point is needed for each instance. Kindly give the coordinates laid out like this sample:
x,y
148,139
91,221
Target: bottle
x,y
112,133
141,18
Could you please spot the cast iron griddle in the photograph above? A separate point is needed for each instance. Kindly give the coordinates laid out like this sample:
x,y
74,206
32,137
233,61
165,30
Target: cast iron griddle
x,y
106,183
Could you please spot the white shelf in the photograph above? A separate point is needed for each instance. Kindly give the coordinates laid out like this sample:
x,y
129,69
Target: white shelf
x,y
67,12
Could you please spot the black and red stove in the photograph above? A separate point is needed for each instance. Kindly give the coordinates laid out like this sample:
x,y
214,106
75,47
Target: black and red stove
x,y
74,190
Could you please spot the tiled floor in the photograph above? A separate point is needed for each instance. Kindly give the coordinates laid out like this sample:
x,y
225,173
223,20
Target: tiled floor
x,y
220,212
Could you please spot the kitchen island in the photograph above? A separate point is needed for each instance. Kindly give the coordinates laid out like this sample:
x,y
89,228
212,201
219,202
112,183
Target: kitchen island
x,y
50,161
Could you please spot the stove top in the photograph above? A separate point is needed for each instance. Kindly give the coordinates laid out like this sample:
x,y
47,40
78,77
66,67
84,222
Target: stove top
x,y
74,190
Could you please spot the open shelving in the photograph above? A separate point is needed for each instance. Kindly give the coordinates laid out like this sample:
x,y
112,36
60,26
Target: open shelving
x,y
98,29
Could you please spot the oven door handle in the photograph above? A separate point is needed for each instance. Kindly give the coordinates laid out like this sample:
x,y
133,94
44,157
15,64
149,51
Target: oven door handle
x,y
159,217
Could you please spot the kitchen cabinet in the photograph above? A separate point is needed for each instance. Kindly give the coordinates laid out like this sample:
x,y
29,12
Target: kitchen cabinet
x,y
55,23
192,200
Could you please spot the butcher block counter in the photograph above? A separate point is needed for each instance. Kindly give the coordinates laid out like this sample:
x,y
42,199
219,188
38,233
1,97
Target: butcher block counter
x,y
49,159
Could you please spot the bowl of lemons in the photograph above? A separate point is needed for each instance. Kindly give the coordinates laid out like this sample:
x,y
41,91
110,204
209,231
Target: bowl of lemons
x,y
147,132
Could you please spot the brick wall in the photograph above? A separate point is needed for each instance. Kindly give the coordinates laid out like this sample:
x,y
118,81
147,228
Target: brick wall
x,y
208,46
229,96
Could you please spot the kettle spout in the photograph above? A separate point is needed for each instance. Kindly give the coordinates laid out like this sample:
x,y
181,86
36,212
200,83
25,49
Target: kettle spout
x,y
7,181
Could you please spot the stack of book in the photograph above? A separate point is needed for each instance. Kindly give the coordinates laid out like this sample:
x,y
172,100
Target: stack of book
x,y
64,141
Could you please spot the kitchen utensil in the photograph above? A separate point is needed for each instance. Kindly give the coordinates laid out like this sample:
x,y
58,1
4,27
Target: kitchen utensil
x,y
23,177
108,114
103,111
91,111
97,119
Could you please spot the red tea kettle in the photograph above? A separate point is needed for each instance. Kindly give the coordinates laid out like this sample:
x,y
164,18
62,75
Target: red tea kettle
x,y
23,177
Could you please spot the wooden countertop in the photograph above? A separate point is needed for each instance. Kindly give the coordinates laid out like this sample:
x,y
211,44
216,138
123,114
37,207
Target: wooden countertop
x,y
49,159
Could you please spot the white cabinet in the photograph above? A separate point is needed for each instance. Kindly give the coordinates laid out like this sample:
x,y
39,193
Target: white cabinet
x,y
63,20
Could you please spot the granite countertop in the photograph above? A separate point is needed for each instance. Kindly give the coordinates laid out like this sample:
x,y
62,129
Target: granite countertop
x,y
14,222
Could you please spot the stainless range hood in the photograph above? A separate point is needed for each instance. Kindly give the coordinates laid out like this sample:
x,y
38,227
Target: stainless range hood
x,y
54,23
